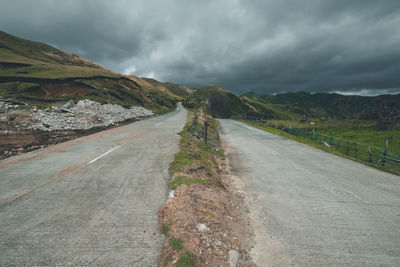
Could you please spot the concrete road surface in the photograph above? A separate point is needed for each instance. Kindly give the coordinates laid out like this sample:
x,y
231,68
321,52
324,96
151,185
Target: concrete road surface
x,y
90,201
311,208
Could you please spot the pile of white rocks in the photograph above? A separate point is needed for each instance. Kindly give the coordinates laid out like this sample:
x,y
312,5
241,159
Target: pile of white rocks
x,y
84,115
6,106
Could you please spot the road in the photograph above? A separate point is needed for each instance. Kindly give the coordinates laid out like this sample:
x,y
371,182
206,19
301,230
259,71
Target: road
x,y
312,208
90,201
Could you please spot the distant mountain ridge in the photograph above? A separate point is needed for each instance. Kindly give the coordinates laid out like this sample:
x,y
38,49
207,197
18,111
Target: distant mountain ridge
x,y
329,105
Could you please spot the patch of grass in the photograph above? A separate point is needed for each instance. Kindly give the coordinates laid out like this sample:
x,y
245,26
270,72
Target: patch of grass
x,y
43,107
17,88
182,159
165,229
195,153
220,153
176,244
186,260
360,131
167,259
182,180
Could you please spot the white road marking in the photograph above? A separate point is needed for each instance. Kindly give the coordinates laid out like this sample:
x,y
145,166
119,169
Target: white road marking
x,y
102,155
158,124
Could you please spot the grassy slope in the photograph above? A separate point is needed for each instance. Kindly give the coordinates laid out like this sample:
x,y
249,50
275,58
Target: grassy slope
x,y
171,88
36,71
219,102
44,61
360,131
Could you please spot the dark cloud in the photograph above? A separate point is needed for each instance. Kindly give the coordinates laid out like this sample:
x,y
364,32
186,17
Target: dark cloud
x,y
262,45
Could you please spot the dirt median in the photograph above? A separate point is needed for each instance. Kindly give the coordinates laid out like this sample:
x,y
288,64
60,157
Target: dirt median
x,y
205,221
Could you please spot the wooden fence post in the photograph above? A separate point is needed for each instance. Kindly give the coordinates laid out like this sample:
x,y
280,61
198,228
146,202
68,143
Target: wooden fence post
x,y
385,151
205,131
370,154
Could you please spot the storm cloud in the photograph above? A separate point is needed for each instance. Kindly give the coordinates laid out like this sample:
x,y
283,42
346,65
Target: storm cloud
x,y
265,46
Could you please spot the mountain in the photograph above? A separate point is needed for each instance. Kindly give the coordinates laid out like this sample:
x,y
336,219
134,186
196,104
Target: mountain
x,y
298,104
220,102
33,71
171,88
158,90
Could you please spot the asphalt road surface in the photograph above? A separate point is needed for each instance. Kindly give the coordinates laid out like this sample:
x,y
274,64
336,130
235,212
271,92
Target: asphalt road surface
x,y
311,208
90,201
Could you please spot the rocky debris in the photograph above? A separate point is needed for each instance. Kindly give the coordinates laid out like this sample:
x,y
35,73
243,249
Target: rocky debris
x,y
7,106
84,115
69,104
171,194
233,258
325,144
202,227
25,126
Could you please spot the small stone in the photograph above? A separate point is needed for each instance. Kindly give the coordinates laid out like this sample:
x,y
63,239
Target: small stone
x,y
202,227
196,240
233,258
325,144
171,194
69,104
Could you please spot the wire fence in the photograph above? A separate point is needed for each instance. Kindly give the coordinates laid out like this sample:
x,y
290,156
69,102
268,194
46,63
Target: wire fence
x,y
350,148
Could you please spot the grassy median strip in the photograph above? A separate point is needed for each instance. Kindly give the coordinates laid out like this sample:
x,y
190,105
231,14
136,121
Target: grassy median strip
x,y
198,222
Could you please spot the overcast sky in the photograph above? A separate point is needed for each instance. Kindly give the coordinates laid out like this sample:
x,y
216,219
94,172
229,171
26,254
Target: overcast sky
x,y
261,45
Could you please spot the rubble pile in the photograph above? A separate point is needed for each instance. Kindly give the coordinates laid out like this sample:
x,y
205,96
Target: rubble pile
x,y
7,107
28,126
84,115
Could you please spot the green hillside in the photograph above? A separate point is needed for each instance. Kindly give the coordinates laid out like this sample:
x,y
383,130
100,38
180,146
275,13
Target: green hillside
x,y
33,71
24,58
220,102
172,88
